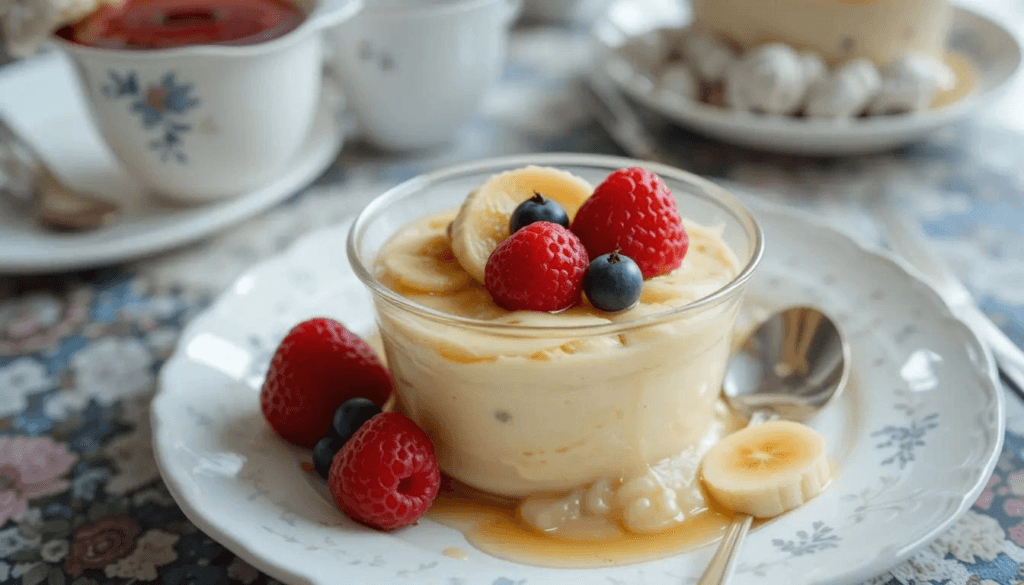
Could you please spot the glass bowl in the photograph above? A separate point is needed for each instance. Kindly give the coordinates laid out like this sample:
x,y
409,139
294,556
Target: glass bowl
x,y
525,405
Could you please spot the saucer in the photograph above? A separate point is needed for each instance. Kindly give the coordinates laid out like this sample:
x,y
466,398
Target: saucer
x,y
990,47
917,372
60,129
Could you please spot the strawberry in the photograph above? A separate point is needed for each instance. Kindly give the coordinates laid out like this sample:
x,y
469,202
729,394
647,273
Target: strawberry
x,y
538,268
386,476
318,366
633,212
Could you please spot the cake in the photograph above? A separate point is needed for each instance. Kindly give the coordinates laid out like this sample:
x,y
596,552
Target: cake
x,y
837,30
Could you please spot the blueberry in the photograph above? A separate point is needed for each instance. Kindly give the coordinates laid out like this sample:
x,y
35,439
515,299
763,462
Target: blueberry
x,y
323,454
613,282
350,416
537,208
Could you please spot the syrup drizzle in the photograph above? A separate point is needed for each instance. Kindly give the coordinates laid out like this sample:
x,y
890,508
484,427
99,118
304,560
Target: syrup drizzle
x,y
492,525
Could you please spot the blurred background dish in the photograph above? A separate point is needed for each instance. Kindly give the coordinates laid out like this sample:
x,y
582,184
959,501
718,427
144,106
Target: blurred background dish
x,y
630,48
61,130
203,122
414,72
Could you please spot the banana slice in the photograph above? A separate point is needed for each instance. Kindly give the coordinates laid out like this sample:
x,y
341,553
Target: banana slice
x,y
482,221
425,263
767,469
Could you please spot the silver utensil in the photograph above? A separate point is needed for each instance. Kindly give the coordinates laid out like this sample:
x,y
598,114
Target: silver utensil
x,y
910,244
793,365
26,180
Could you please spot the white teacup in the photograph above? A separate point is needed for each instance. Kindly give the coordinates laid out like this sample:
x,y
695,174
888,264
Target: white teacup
x,y
414,71
199,123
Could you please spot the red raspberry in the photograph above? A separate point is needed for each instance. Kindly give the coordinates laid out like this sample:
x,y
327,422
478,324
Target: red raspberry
x,y
633,211
386,475
538,268
318,366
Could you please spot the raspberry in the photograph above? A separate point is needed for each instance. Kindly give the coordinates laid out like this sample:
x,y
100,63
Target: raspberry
x,y
318,366
386,475
538,268
633,211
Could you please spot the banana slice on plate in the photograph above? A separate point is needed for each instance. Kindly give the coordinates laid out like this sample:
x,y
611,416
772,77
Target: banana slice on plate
x,y
768,469
482,221
425,263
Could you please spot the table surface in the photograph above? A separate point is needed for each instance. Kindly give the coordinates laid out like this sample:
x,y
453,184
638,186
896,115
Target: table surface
x,y
81,500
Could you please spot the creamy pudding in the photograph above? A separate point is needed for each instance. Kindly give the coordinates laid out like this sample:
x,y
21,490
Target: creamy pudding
x,y
593,421
541,412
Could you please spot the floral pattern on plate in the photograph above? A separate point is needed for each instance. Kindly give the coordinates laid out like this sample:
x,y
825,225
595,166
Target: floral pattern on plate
x,y
217,455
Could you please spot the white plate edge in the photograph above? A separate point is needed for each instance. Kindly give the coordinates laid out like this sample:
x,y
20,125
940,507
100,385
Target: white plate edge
x,y
279,571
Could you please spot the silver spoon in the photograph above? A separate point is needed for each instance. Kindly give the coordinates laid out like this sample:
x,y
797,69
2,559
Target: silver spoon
x,y
791,367
25,179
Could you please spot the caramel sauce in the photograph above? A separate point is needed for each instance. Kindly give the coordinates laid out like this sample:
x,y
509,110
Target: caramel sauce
x,y
966,80
492,525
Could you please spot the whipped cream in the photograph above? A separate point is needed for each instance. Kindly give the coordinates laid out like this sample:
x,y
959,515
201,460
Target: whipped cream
x,y
772,79
844,92
910,83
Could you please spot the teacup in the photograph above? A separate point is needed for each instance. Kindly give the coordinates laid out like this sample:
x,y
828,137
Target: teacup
x,y
205,122
414,72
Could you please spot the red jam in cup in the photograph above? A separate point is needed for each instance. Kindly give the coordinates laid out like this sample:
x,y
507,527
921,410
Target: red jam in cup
x,y
162,24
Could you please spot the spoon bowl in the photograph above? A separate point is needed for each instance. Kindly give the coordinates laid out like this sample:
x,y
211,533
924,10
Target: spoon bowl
x,y
793,365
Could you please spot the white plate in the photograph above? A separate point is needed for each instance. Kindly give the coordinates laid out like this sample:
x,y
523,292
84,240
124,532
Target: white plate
x,y
994,51
60,129
914,438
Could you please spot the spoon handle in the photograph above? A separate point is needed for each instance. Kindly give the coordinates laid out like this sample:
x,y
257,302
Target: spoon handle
x,y
720,568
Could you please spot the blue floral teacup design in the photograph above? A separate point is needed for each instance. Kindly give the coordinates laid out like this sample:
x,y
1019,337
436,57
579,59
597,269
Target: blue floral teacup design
x,y
201,123
163,106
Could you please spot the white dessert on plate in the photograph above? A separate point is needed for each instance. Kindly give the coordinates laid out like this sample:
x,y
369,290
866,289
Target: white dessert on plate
x,y
875,56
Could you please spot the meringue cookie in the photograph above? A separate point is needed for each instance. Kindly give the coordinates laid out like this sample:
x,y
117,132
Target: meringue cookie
x,y
773,79
909,84
845,92
677,80
708,57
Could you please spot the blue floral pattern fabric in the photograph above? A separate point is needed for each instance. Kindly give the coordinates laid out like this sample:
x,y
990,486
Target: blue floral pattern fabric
x,y
81,499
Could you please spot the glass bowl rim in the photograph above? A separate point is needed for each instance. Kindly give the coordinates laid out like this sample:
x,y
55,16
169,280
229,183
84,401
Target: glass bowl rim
x,y
708,191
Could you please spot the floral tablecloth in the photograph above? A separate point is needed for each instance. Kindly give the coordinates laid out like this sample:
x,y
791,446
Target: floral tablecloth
x,y
81,500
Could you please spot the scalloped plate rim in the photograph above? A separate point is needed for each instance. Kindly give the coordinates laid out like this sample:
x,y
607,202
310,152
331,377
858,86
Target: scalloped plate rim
x,y
281,570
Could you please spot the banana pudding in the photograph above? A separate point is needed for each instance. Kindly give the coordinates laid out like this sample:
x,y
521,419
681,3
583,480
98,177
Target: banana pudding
x,y
594,421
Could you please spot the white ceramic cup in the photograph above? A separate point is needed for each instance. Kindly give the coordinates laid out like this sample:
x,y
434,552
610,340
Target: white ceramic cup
x,y
206,122
414,71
